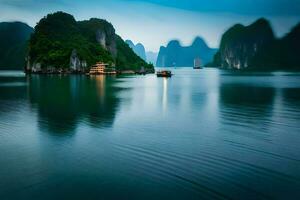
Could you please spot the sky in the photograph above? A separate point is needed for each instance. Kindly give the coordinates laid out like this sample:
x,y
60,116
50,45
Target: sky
x,y
156,22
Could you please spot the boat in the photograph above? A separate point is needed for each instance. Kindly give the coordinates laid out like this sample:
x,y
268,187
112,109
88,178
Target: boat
x,y
197,67
164,73
197,63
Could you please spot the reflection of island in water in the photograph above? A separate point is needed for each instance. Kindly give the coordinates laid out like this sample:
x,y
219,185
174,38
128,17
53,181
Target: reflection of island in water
x,y
246,95
247,105
253,110
62,102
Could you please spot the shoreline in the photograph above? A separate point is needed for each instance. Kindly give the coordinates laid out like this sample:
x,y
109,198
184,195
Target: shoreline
x,y
124,72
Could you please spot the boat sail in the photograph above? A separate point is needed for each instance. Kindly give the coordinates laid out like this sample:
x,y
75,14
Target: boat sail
x,y
197,63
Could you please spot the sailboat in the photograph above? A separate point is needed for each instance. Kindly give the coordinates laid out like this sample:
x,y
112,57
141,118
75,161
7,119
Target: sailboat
x,y
197,63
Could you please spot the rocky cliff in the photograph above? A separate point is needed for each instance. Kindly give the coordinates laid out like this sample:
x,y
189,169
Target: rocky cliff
x,y
255,47
100,31
241,44
174,54
13,44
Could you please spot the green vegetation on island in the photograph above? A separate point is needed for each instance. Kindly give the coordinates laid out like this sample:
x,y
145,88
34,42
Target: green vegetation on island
x,y
59,42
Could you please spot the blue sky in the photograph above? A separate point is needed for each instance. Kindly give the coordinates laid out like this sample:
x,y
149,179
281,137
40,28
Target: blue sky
x,y
275,7
155,22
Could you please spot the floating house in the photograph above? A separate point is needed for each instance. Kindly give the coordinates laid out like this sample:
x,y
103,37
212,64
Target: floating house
x,y
102,68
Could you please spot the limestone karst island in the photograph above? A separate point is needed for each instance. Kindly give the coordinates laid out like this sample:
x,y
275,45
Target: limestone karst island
x,y
60,44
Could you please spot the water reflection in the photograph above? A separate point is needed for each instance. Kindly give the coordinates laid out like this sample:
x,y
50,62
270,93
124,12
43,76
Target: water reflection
x,y
165,94
12,92
248,108
63,102
292,95
221,137
246,95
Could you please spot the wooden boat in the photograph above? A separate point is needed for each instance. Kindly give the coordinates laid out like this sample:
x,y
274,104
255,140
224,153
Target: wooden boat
x,y
164,73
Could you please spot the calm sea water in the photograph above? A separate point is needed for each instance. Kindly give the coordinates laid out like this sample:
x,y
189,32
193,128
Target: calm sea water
x,y
205,134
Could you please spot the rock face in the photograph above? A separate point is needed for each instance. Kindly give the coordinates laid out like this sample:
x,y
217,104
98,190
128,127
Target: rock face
x,y
104,32
13,44
241,44
176,55
255,47
60,43
75,63
139,49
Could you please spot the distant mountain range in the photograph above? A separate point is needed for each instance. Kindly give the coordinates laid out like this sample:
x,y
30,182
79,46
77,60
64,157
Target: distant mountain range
x,y
14,38
183,56
138,49
255,47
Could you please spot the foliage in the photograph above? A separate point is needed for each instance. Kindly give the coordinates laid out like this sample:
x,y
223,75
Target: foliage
x,y
127,59
58,34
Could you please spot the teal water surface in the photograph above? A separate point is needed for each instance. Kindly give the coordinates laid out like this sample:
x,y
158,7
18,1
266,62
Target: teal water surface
x,y
206,134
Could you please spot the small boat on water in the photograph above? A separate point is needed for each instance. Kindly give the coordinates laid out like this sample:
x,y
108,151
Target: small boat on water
x,y
197,67
164,73
197,63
